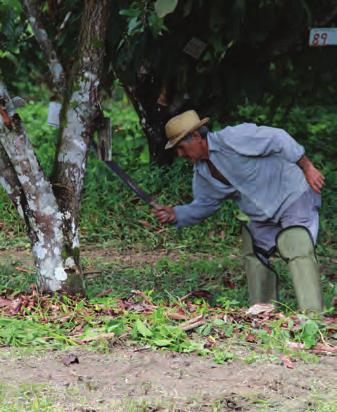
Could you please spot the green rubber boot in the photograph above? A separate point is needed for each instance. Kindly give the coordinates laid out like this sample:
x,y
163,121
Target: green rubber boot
x,y
296,247
262,281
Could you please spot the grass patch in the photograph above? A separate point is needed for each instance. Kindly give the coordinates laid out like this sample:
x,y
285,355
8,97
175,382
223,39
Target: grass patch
x,y
147,304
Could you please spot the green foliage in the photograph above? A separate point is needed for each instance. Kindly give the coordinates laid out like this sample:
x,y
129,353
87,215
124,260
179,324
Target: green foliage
x,y
254,50
44,137
165,7
19,333
105,220
309,333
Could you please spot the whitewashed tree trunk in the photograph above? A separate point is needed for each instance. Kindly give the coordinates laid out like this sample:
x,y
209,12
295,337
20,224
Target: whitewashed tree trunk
x,y
51,208
79,114
33,196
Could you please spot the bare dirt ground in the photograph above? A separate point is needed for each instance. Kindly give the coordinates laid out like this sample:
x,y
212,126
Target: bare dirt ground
x,y
136,380
93,253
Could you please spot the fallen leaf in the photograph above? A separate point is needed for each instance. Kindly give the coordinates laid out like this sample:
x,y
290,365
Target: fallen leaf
x,y
259,308
143,295
197,294
330,320
251,338
296,345
210,342
176,316
70,359
145,223
286,361
324,348
267,329
319,348
5,302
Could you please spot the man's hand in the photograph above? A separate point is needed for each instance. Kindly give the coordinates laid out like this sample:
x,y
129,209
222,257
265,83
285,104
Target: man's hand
x,y
165,214
313,175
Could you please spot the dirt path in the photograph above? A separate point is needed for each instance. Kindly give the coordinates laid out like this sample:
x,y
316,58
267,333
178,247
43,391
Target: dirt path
x,y
162,381
105,254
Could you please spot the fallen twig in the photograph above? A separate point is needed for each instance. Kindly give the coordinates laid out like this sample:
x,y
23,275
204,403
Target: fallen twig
x,y
97,272
107,336
104,293
192,323
21,269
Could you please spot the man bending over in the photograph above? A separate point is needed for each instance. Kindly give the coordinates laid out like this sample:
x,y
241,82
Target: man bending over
x,y
272,180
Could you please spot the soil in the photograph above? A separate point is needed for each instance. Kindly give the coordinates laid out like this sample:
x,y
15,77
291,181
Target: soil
x,y
165,380
95,254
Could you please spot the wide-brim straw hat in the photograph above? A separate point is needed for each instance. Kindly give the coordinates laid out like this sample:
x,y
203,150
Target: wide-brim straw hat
x,y
180,126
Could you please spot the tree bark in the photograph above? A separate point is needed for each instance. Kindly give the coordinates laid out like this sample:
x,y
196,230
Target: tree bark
x,y
144,95
32,194
153,117
55,67
78,117
51,209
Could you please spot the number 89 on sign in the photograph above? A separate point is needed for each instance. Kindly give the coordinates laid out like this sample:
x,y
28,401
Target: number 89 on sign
x,y
321,37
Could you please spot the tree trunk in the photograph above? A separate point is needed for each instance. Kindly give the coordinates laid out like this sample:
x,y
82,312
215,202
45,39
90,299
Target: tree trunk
x,y
51,210
144,95
33,196
153,117
78,122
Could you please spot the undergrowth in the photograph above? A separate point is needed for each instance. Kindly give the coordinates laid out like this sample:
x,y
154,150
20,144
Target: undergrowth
x,y
111,214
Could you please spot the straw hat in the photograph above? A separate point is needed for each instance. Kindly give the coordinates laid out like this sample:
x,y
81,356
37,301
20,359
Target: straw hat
x,y
180,126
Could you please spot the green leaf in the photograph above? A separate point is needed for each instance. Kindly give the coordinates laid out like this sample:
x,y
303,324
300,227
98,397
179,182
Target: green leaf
x,y
310,334
129,12
133,24
13,4
142,329
242,217
164,7
162,342
145,155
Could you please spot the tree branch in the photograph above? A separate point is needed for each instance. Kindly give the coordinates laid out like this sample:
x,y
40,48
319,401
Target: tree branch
x,y
40,33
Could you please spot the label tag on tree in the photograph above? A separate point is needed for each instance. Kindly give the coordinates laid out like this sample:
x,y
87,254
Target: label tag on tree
x,y
54,113
194,48
323,37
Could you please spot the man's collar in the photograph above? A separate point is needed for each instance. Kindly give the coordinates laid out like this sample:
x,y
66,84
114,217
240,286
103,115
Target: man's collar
x,y
211,141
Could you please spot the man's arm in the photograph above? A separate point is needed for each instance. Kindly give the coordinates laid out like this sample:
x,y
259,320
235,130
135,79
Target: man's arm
x,y
207,200
313,175
189,214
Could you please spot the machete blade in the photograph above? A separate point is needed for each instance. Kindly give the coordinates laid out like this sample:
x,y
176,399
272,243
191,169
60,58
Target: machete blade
x,y
146,197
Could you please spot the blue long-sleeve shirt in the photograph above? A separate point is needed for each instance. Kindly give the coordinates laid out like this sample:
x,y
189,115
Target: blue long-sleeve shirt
x,y
259,163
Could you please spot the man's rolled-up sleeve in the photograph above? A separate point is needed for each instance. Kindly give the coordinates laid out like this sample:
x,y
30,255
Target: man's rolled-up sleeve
x,y
265,141
206,202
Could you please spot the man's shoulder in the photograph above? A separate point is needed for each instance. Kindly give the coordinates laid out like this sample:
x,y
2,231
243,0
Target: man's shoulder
x,y
229,133
220,137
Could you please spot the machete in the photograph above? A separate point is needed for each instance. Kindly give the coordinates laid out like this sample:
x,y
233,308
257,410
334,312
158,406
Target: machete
x,y
146,197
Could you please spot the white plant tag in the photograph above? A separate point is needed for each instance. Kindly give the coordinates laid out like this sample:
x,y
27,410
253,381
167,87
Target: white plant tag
x,y
54,114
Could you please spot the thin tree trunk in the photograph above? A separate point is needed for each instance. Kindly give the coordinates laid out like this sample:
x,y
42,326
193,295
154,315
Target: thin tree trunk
x,y
78,117
34,197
